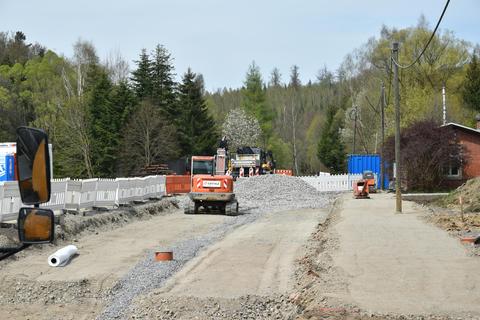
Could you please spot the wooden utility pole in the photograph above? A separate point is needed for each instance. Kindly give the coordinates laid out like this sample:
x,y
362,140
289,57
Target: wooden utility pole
x,y
355,130
396,89
382,163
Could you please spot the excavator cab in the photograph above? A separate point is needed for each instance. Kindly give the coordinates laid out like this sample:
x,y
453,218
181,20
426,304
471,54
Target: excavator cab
x,y
202,165
210,191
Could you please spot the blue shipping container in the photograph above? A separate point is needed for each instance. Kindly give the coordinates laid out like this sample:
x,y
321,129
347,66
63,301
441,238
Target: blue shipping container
x,y
358,163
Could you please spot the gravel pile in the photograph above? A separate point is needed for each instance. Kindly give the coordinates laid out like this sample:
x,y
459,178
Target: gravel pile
x,y
9,237
277,193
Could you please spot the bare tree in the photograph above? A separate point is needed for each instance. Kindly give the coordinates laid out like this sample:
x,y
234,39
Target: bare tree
x,y
74,139
84,55
117,67
149,139
295,110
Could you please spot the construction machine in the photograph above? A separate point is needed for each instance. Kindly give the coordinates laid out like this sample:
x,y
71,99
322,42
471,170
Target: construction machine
x,y
252,160
369,178
211,190
360,189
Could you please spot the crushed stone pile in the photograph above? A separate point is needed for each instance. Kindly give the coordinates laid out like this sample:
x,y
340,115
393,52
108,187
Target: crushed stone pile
x,y
278,193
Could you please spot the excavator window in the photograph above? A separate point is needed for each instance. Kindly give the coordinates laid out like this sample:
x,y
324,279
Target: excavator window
x,y
202,167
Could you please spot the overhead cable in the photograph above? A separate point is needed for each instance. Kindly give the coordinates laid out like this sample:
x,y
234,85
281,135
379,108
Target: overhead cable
x,y
428,43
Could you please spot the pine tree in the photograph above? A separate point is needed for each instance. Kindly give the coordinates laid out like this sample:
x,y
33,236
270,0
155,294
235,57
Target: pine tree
x,y
142,77
255,102
163,85
331,150
104,123
275,78
295,78
471,86
124,102
196,128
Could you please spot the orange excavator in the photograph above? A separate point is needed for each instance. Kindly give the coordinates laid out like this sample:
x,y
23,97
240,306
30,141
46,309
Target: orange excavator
x,y
211,190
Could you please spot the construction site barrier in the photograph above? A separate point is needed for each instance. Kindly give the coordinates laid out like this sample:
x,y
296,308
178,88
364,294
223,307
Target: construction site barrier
x,y
57,195
285,172
177,184
79,195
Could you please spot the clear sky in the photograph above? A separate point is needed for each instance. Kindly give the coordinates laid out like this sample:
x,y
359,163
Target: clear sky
x,y
220,38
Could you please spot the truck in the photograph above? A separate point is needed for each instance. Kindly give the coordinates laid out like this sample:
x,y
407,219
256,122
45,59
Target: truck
x,y
251,160
211,190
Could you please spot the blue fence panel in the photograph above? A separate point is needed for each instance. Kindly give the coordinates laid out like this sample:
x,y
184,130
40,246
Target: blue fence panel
x,y
358,163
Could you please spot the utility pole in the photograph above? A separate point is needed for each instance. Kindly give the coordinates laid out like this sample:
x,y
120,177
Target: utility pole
x,y
396,89
355,130
382,163
444,104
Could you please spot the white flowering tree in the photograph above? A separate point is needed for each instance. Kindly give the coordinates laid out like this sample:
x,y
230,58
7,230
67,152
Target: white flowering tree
x,y
241,129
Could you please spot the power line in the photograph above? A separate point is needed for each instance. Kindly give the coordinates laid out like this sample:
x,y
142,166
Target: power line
x,y
428,43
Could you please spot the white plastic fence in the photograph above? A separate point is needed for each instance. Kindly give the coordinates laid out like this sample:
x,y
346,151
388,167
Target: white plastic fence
x,y
85,194
340,182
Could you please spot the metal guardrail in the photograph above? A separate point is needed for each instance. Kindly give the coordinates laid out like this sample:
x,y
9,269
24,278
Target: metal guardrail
x,y
85,194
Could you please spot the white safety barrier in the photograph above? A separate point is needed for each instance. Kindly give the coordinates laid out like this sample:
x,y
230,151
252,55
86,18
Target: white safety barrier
x,y
74,192
58,194
11,201
85,194
340,182
106,193
126,190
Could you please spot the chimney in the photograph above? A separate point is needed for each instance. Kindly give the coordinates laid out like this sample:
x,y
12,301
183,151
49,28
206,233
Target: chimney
x,y
477,117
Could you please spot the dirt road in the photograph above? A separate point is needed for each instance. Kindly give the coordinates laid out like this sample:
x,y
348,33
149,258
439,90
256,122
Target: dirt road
x,y
241,256
256,259
249,269
397,263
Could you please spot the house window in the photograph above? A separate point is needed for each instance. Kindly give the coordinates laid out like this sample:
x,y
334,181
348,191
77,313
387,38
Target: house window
x,y
453,172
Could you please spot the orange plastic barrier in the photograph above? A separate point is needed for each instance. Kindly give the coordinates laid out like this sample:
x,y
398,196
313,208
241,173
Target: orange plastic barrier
x,y
177,184
285,172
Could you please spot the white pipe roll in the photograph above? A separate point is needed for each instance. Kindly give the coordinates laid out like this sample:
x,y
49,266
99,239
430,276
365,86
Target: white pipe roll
x,y
62,256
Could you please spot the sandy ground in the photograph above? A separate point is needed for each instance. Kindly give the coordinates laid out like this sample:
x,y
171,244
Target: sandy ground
x,y
103,258
397,263
256,259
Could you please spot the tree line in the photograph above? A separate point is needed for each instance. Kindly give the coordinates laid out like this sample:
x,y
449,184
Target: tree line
x,y
105,121
313,125
102,120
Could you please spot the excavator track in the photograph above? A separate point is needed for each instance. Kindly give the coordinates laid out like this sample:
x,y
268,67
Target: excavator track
x,y
190,209
231,208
